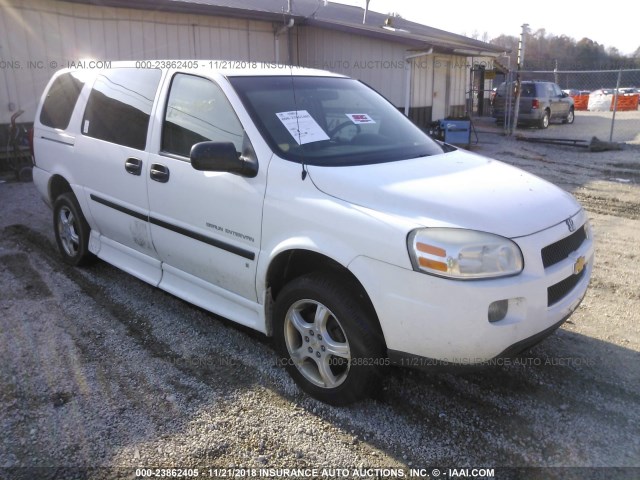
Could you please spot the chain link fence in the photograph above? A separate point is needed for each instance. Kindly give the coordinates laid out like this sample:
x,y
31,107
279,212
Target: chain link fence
x,y
613,94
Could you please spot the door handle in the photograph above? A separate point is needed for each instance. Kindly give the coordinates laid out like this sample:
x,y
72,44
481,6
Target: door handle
x,y
159,173
133,166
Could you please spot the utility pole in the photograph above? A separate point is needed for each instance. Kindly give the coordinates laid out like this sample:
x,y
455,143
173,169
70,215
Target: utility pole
x,y
521,46
366,9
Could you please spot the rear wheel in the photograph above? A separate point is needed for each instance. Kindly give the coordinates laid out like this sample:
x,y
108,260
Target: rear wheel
x,y
544,121
329,342
71,230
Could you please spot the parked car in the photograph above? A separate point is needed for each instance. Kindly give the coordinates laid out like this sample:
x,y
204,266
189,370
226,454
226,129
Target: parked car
x,y
540,103
303,205
572,92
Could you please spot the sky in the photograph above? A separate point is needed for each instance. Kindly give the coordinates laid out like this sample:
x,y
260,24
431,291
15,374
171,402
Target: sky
x,y
616,28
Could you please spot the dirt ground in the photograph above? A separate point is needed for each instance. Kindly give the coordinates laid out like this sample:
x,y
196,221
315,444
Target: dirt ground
x,y
101,371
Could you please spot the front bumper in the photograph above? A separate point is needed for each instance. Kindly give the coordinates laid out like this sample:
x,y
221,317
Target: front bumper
x,y
447,320
404,359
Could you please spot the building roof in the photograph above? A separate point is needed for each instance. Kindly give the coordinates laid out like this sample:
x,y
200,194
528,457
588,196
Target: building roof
x,y
333,16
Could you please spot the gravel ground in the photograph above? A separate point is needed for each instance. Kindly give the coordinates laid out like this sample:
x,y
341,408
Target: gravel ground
x,y
101,370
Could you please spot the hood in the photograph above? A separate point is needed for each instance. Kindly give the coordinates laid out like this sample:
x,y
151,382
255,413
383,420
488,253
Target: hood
x,y
457,189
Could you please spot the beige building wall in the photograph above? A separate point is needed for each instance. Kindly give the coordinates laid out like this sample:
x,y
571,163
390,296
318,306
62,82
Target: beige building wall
x,y
38,37
379,64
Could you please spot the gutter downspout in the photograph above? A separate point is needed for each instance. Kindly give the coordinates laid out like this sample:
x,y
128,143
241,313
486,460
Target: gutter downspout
x,y
366,10
408,58
285,28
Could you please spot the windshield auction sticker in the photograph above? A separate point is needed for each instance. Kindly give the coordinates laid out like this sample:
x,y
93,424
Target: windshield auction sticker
x,y
360,118
302,127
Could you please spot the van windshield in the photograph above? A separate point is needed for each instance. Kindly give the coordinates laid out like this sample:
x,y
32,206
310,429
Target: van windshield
x,y
330,121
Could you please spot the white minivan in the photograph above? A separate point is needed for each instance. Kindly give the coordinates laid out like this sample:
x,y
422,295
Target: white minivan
x,y
304,205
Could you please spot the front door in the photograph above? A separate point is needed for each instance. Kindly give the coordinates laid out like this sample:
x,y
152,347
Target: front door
x,y
559,107
205,226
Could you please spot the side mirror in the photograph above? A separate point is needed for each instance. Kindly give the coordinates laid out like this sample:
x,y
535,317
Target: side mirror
x,y
222,157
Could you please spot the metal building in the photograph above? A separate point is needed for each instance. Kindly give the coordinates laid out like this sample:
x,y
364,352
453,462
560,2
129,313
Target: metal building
x,y
425,71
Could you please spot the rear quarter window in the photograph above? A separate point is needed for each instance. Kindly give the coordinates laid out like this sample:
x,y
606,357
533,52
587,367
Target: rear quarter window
x,y
60,101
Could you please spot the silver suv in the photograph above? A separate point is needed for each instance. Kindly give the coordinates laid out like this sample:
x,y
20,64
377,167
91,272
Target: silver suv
x,y
540,102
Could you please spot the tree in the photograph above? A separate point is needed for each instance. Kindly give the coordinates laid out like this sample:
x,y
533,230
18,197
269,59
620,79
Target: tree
x,y
510,45
636,58
546,52
590,54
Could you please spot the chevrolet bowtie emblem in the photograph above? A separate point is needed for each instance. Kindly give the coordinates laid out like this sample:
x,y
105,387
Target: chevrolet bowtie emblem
x,y
570,224
579,265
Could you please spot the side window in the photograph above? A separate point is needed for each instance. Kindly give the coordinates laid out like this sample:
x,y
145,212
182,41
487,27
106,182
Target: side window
x,y
119,106
60,101
198,111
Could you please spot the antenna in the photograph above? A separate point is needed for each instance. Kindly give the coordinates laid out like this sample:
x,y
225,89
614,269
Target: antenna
x,y
295,103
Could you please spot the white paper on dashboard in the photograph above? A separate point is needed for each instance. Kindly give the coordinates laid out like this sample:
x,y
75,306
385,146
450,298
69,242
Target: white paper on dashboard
x,y
302,127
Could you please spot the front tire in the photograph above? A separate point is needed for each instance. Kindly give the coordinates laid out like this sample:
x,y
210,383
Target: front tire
x,y
570,117
71,230
329,341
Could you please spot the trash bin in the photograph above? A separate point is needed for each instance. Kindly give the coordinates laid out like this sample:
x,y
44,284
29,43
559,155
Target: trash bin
x,y
456,132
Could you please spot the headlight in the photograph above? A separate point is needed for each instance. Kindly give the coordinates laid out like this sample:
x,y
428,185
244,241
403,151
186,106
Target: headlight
x,y
463,254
